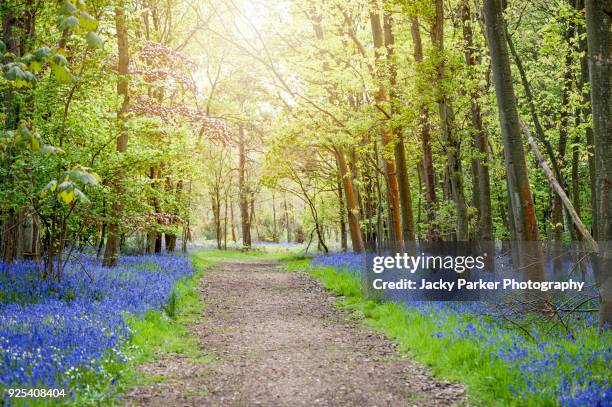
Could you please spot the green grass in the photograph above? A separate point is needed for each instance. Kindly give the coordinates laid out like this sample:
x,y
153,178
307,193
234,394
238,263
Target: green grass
x,y
488,380
288,254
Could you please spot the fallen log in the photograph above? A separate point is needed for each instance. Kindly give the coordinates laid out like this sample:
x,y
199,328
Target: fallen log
x,y
559,189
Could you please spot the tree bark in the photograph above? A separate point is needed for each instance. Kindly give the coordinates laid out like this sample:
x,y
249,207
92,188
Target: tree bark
x,y
447,124
386,135
599,39
524,218
244,193
482,197
342,216
586,113
405,193
524,222
351,201
112,242
428,171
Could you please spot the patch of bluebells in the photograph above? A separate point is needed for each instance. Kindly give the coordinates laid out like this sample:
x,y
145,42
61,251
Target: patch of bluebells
x,y
350,261
53,332
554,365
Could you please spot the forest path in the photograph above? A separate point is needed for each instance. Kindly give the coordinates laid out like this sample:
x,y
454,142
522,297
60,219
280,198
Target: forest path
x,y
276,339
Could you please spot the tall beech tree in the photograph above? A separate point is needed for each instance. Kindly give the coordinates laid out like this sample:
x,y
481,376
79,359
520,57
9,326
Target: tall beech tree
x,y
520,200
525,224
599,39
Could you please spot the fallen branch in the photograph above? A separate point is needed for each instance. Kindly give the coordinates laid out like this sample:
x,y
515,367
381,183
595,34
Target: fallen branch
x,y
559,189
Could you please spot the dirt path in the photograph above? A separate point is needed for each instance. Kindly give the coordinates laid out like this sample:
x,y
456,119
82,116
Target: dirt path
x,y
275,339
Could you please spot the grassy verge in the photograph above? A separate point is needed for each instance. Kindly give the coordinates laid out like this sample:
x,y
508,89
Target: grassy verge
x,y
287,255
451,357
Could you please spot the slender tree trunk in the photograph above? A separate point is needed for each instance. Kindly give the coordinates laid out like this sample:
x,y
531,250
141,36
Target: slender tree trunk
x,y
274,230
482,197
244,194
225,216
405,193
216,209
341,215
287,222
599,37
386,134
351,201
586,113
232,221
428,171
112,242
447,126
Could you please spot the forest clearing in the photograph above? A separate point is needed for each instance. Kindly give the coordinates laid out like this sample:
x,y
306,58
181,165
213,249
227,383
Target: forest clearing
x,y
291,202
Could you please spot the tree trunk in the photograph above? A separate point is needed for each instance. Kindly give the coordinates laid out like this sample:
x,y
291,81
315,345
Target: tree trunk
x,y
351,201
274,230
599,38
386,134
524,218
482,186
287,223
586,112
447,126
112,242
170,242
405,193
428,171
524,222
341,216
244,194
232,221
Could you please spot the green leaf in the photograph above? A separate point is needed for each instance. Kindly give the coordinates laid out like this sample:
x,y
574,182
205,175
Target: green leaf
x,y
67,196
36,142
30,77
42,53
68,9
61,73
69,23
35,66
80,196
84,177
93,40
50,187
51,150
88,22
14,74
2,47
59,59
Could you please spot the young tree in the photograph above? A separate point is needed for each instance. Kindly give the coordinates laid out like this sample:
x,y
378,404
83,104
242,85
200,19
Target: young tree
x,y
111,252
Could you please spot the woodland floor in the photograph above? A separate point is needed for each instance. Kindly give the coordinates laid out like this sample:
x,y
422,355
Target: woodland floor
x,y
275,338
